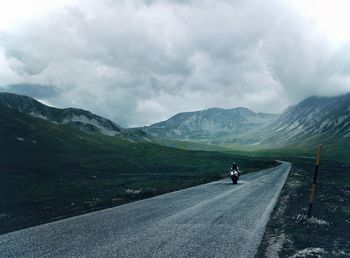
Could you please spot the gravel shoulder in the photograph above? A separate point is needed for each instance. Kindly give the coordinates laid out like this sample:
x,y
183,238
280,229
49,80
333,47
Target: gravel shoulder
x,y
289,233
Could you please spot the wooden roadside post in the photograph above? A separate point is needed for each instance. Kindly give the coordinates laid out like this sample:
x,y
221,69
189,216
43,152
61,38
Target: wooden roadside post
x,y
313,189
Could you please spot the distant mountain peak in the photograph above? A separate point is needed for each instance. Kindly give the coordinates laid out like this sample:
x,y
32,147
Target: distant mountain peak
x,y
210,124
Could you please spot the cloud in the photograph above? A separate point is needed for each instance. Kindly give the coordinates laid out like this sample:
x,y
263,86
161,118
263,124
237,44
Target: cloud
x,y
34,90
139,62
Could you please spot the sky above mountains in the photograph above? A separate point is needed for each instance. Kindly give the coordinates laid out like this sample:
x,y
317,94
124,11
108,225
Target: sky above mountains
x,y
139,62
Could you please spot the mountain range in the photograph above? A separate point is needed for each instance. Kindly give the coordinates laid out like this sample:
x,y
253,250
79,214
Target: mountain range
x,y
314,120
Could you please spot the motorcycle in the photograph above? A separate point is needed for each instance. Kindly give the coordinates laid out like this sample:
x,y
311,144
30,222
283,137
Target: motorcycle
x,y
234,176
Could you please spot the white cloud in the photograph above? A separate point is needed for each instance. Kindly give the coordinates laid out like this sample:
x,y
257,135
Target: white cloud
x,y
330,16
16,11
8,67
139,62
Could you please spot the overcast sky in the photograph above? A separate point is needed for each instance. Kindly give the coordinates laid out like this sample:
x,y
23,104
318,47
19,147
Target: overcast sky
x,y
139,62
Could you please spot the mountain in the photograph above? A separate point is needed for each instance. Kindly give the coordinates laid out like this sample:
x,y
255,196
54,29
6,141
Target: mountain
x,y
82,119
316,119
213,125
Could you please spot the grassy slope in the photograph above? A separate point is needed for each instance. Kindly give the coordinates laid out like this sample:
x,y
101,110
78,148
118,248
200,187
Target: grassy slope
x,y
336,150
327,234
48,172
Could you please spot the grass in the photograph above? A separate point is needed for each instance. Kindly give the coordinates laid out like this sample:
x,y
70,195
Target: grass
x,y
290,234
50,172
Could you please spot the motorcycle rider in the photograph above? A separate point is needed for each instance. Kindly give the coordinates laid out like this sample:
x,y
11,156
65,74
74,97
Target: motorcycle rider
x,y
235,168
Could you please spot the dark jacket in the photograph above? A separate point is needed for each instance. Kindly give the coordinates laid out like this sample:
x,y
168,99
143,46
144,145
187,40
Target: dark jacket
x,y
235,167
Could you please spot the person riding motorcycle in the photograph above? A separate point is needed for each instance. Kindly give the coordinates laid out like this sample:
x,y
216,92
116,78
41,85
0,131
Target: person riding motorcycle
x,y
235,168
234,173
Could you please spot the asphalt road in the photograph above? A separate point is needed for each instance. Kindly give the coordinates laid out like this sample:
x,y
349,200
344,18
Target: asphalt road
x,y
212,220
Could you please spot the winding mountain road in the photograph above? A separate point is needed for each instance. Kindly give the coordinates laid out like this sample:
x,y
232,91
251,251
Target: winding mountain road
x,y
212,220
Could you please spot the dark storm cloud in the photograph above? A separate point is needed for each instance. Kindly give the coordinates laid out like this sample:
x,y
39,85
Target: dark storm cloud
x,y
138,62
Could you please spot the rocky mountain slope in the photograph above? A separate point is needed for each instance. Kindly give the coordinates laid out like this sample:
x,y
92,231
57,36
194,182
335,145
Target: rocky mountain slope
x,y
316,119
78,118
213,125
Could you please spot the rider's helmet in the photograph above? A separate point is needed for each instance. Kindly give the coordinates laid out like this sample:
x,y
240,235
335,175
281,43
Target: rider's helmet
x,y
234,165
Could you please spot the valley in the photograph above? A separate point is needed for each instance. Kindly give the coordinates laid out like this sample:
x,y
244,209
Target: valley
x,y
58,163
50,171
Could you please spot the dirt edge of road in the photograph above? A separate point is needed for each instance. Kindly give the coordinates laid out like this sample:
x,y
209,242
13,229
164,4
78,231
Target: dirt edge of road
x,y
290,234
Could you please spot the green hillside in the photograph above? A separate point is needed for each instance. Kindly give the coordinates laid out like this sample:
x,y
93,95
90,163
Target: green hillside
x,y
50,171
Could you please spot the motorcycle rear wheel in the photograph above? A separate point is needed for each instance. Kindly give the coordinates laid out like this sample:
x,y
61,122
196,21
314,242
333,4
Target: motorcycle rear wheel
x,y
234,180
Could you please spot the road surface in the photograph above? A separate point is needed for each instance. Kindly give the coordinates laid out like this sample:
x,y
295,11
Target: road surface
x,y
212,220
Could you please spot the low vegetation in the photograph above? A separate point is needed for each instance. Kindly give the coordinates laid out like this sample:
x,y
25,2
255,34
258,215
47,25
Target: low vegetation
x,y
49,172
290,233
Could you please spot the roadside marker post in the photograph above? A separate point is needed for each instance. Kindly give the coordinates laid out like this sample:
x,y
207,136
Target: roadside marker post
x,y
313,189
